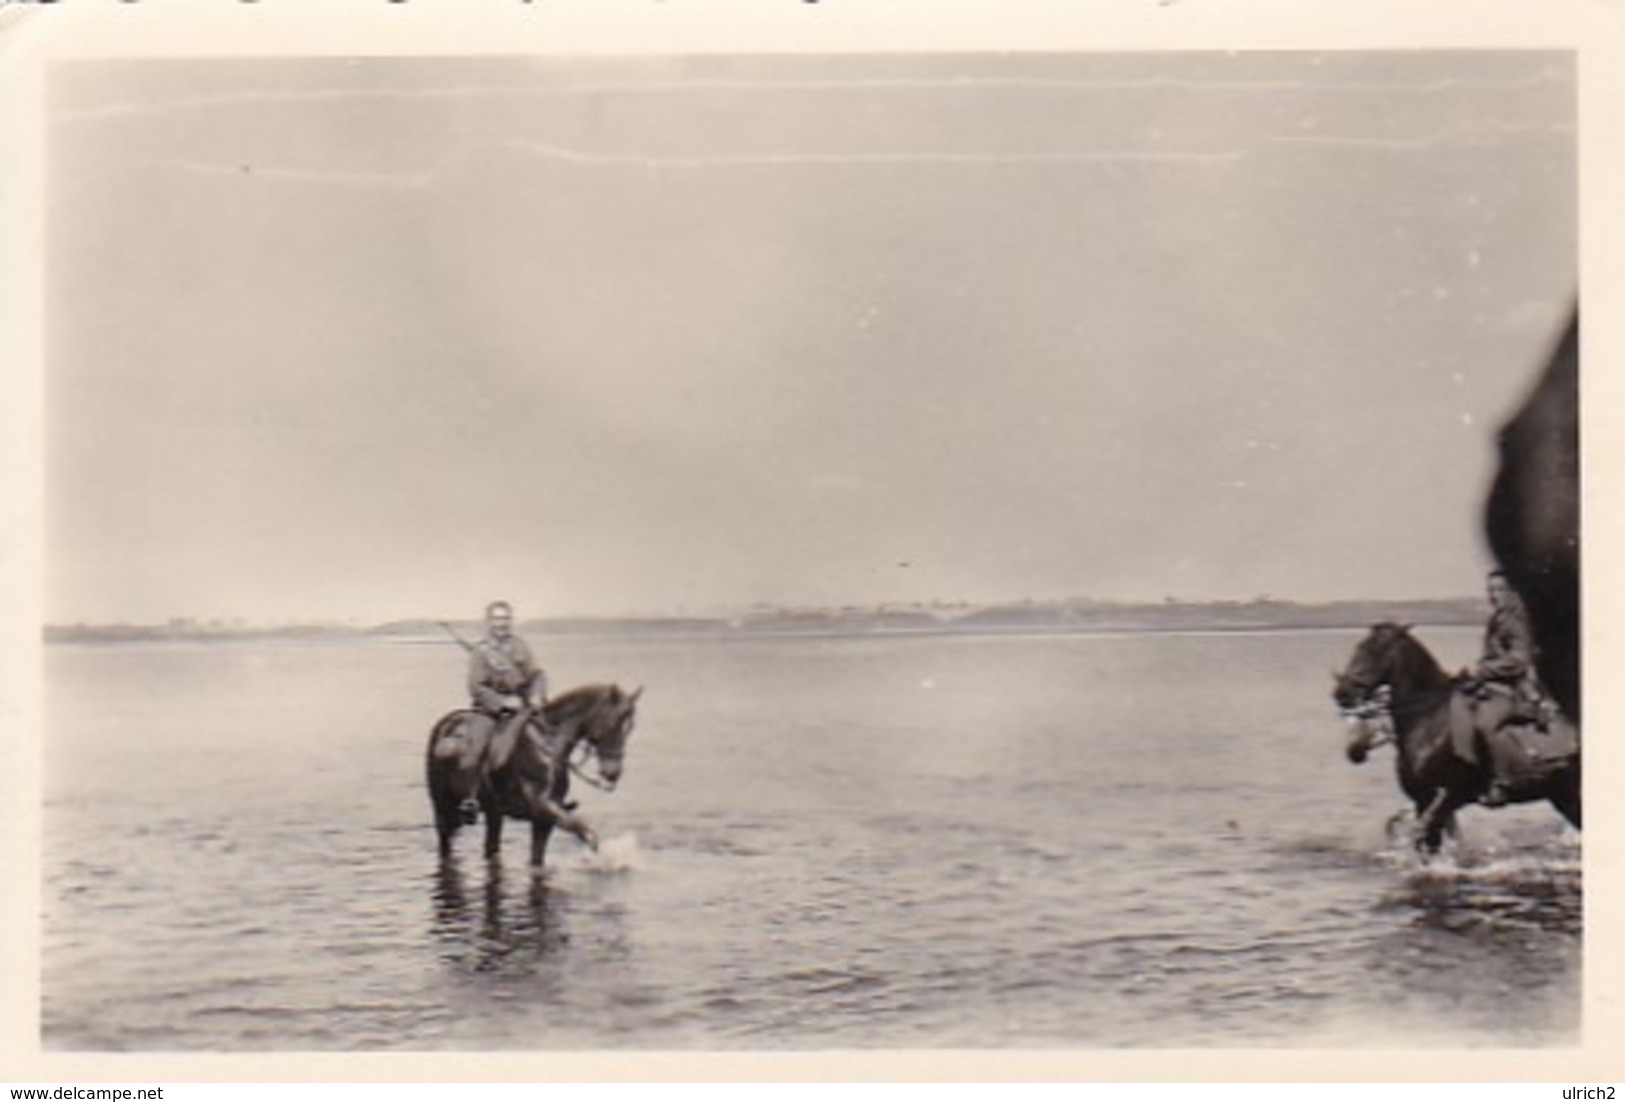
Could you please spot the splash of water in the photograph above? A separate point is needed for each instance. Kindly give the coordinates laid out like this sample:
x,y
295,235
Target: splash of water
x,y
613,855
1482,851
1509,871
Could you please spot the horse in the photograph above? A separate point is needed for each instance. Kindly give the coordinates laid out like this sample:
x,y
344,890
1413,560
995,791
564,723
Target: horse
x,y
533,783
1393,690
1532,516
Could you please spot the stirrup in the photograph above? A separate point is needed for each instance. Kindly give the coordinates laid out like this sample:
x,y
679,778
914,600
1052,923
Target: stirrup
x,y
1498,795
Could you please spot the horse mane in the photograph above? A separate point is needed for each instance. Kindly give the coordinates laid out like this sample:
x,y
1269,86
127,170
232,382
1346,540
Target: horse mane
x,y
579,701
1391,635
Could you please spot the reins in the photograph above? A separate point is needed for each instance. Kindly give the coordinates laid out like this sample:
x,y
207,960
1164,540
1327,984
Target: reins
x,y
574,763
1375,708
1378,705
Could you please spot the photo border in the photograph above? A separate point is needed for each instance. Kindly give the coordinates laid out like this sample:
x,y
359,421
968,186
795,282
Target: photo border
x,y
32,36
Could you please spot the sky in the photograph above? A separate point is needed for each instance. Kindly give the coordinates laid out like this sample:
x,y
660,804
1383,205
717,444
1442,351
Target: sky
x,y
372,339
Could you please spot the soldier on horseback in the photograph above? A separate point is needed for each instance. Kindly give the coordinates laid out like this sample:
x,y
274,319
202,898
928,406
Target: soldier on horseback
x,y
508,690
1505,688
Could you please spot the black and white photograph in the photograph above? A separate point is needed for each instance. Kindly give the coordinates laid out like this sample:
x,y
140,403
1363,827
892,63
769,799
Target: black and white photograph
x,y
719,550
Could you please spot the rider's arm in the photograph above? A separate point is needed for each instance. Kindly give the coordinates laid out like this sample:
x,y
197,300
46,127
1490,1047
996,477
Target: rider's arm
x,y
536,690
480,688
535,677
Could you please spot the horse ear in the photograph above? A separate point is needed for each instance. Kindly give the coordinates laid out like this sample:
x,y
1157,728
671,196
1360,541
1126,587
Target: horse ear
x,y
637,692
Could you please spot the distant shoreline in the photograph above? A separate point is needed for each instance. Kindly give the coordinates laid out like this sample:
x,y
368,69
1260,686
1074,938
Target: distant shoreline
x,y
1024,618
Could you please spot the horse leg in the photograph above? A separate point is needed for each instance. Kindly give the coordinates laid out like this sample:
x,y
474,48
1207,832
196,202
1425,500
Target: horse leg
x,y
558,815
445,825
1433,821
444,798
493,831
541,829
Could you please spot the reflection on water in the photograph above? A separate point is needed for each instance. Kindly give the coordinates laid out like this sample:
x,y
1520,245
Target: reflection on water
x,y
517,922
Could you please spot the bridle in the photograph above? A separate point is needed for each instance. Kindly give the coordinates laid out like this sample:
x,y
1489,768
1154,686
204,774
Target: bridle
x,y
582,751
1374,711
586,748
1371,695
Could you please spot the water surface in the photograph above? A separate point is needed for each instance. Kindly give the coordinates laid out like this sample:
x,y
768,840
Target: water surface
x,y
912,841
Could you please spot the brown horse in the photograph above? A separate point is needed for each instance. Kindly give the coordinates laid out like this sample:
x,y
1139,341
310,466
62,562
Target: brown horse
x,y
1394,690
533,783
1532,517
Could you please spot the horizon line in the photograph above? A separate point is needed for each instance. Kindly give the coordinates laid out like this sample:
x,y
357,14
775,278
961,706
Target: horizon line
x,y
756,608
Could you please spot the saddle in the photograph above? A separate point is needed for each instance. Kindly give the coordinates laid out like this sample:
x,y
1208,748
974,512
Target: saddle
x,y
497,741
509,729
1532,739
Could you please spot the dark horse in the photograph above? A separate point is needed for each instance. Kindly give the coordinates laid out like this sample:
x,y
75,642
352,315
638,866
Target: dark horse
x,y
533,783
1532,517
1393,689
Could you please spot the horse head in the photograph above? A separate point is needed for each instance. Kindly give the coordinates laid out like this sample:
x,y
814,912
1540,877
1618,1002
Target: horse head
x,y
1372,665
1387,660
603,717
609,731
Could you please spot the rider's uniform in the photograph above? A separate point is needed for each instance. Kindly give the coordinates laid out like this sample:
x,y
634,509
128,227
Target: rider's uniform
x,y
497,668
1509,653
1508,692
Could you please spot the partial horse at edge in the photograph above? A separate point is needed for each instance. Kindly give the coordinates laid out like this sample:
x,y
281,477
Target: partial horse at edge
x,y
1532,516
